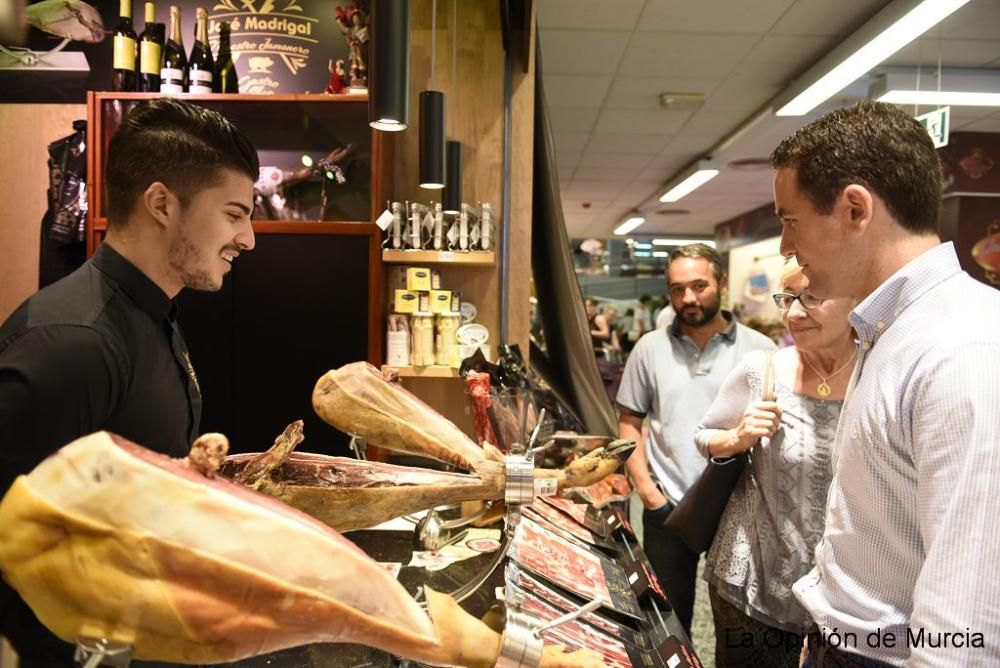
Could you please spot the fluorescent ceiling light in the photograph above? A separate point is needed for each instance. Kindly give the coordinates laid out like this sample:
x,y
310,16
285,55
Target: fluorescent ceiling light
x,y
660,253
691,179
640,254
886,42
683,242
954,87
642,246
629,225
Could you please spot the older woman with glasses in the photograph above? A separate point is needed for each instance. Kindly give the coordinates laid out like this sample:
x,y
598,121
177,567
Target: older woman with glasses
x,y
775,515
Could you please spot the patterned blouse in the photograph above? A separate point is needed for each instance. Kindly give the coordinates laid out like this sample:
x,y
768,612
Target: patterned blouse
x,y
769,530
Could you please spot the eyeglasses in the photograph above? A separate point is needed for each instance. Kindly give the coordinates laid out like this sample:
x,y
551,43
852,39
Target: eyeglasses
x,y
783,300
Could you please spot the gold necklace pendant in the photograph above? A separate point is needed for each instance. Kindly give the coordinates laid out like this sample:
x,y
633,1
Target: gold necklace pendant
x,y
823,389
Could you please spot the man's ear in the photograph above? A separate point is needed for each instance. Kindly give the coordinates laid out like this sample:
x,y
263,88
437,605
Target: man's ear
x,y
160,203
857,206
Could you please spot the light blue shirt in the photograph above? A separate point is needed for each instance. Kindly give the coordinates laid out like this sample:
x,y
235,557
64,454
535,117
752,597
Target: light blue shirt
x,y
912,539
673,382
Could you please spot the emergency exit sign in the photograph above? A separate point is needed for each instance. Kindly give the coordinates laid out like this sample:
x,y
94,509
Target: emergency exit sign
x,y
937,123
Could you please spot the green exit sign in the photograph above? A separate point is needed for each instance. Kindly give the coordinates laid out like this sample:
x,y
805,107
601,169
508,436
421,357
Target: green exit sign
x,y
937,123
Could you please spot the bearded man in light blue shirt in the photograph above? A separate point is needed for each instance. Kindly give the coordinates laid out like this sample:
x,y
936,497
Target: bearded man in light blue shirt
x,y
905,572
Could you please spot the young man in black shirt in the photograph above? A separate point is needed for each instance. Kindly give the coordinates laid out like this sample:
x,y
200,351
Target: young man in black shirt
x,y
101,349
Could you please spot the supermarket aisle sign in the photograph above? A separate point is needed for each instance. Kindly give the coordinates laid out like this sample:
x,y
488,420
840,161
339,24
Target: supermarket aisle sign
x,y
937,123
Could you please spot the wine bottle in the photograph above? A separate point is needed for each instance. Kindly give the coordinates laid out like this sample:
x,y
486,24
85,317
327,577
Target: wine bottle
x,y
123,62
201,68
225,80
150,54
173,76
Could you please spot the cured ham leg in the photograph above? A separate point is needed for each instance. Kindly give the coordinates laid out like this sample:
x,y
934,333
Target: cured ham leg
x,y
106,538
348,494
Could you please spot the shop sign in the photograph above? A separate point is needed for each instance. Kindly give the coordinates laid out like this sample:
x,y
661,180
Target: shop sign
x,y
278,46
937,123
986,253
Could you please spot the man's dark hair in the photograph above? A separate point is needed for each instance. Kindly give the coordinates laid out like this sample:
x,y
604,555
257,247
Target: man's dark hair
x,y
695,251
645,299
180,144
873,144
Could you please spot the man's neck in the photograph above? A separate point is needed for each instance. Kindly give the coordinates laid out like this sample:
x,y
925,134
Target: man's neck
x,y
702,334
895,251
153,265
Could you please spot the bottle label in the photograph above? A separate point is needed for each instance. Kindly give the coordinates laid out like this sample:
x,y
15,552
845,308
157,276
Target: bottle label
x,y
172,80
150,57
200,76
124,53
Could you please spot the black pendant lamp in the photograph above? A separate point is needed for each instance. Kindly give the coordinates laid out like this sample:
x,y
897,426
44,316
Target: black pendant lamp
x,y
389,94
432,123
452,200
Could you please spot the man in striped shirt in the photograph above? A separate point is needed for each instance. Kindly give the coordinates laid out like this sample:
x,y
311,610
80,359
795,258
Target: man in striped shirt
x,y
905,572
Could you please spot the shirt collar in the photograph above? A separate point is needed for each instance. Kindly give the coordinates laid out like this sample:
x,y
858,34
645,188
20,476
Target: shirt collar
x,y
882,307
728,333
139,287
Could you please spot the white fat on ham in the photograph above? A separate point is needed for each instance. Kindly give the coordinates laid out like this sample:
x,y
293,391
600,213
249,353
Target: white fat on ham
x,y
107,538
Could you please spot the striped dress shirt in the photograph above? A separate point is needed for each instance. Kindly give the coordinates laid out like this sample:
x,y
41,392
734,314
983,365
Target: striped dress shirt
x,y
906,572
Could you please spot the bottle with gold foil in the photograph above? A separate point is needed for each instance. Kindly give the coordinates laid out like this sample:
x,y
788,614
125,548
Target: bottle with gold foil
x,y
173,75
150,54
200,66
123,61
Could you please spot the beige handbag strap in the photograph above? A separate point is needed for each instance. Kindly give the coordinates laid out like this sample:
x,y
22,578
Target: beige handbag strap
x,y
767,389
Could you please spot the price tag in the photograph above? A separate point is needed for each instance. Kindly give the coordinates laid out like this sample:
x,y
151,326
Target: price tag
x,y
546,486
446,256
633,577
384,220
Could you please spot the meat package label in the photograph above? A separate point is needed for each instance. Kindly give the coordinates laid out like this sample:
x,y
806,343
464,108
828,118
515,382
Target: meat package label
x,y
599,522
642,578
575,634
573,567
676,654
522,580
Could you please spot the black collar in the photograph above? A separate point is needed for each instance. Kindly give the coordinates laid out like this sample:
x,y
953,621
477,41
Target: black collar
x,y
139,287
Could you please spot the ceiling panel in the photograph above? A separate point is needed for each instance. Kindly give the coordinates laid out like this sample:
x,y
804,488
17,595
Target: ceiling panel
x,y
581,51
777,59
976,20
683,54
594,189
643,93
608,173
570,141
952,53
823,17
614,160
713,16
575,90
629,143
624,121
592,14
572,120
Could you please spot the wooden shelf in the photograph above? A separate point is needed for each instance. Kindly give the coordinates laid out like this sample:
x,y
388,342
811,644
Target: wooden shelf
x,y
470,258
295,227
235,97
434,371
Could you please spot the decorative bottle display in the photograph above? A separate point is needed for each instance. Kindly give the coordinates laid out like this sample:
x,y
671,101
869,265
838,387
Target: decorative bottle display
x,y
150,54
225,80
173,76
123,61
201,67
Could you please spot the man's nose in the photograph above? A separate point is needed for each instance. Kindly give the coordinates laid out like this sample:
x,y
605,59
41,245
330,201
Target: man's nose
x,y
786,248
246,239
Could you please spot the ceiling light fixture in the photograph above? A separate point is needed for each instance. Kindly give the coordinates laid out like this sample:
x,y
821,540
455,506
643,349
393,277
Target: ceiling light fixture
x,y
389,83
660,254
683,242
954,87
629,225
692,178
642,246
885,34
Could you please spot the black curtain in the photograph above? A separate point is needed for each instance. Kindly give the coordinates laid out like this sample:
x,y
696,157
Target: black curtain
x,y
570,361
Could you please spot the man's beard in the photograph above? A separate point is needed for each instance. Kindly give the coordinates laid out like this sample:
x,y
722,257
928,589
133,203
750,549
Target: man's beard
x,y
186,259
702,315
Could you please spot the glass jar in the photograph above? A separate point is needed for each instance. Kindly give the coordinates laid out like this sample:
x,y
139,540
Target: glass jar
x,y
422,339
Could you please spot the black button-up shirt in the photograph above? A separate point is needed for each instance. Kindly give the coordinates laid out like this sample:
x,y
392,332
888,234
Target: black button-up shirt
x,y
100,349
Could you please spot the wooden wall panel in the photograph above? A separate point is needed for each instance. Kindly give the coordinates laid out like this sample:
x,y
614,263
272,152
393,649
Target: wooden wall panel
x,y
474,117
26,130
